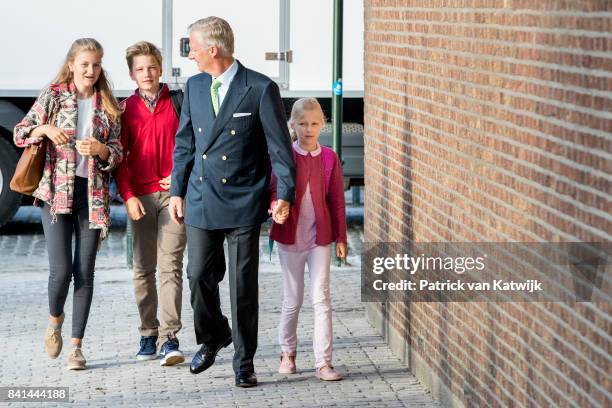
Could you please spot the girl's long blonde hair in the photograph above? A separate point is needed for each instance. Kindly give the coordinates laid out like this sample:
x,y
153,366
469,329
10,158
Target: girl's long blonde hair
x,y
109,103
301,105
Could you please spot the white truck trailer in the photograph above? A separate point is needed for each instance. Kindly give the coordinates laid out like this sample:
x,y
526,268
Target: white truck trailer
x,y
288,40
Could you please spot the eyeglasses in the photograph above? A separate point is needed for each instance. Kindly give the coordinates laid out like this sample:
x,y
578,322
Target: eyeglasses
x,y
198,49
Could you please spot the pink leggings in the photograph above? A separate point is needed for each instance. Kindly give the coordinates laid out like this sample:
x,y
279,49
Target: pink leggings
x,y
293,265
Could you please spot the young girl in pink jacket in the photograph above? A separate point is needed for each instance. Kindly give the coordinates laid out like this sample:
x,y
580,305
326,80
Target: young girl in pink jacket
x,y
305,236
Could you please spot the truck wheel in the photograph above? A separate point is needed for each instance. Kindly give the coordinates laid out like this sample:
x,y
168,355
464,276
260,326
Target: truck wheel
x,y
9,200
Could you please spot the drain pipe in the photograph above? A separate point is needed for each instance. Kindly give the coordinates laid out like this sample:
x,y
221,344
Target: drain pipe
x,y
337,79
337,88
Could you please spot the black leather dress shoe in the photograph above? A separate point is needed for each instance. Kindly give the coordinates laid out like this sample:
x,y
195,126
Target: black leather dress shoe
x,y
205,357
246,380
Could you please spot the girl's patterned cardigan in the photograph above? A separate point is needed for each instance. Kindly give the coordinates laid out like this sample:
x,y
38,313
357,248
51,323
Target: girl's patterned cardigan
x,y
56,186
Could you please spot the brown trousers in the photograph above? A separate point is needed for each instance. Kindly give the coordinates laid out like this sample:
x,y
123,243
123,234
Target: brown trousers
x,y
158,243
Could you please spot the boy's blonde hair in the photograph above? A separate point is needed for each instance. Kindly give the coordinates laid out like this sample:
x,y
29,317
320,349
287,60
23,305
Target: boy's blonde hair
x,y
299,107
142,48
215,31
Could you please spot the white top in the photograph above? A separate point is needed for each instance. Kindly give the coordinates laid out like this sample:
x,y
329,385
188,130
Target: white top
x,y
83,131
226,79
299,150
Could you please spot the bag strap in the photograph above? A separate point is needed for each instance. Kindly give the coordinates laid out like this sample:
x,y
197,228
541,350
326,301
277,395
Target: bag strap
x,y
328,164
55,108
52,117
176,97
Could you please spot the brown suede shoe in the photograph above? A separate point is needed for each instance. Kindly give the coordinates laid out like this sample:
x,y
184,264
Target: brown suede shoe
x,y
76,360
53,342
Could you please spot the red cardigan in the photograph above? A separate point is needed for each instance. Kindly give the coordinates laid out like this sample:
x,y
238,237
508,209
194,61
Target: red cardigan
x,y
327,192
148,141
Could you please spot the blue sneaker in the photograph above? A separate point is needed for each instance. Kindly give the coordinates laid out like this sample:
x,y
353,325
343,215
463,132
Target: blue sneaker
x,y
147,348
170,353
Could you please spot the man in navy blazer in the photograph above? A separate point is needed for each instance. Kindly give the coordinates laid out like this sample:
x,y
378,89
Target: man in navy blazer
x,y
232,127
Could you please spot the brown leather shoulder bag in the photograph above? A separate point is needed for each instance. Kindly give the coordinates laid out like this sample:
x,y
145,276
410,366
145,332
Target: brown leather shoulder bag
x,y
30,166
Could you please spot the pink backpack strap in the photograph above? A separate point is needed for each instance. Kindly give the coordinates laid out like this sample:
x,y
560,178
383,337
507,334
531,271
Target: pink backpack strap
x,y
329,158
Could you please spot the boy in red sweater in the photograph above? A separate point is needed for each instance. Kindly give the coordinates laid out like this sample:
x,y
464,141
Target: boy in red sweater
x,y
148,126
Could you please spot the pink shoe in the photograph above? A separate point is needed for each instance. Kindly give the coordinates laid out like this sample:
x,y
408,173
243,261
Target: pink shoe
x,y
287,364
328,373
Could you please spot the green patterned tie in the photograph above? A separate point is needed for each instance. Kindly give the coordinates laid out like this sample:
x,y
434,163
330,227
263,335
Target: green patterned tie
x,y
214,94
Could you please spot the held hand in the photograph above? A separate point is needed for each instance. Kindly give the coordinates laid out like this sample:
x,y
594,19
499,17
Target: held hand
x,y
280,212
165,183
176,209
341,250
91,147
280,219
134,208
56,135
271,209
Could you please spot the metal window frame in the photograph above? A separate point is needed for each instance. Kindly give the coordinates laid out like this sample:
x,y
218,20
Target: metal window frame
x,y
284,43
167,32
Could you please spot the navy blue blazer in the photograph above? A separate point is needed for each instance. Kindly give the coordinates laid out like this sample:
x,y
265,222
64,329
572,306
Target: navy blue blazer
x,y
222,165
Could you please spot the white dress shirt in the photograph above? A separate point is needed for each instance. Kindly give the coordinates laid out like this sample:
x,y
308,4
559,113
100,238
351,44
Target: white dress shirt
x,y
226,79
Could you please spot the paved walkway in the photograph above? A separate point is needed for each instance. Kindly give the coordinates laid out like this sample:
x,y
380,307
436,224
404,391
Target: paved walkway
x,y
374,376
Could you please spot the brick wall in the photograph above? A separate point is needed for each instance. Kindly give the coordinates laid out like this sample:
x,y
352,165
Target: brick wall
x,y
490,121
